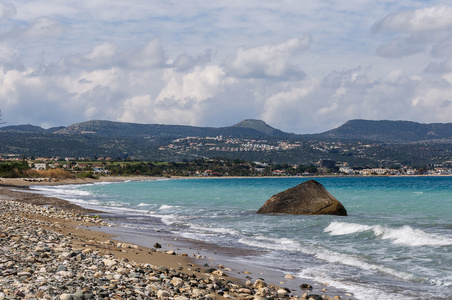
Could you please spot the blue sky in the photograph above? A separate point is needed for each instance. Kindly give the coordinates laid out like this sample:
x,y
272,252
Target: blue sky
x,y
301,66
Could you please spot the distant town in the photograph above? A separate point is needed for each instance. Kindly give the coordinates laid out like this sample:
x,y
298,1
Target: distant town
x,y
203,167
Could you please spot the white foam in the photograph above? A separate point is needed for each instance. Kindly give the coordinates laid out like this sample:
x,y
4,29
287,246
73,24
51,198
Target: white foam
x,y
64,190
359,290
168,207
271,243
360,263
342,228
218,230
167,219
411,237
323,254
404,235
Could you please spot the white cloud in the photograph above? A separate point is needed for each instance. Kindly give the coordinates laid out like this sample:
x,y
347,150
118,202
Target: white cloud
x,y
415,31
442,49
149,56
441,67
398,48
425,19
9,58
40,28
7,10
186,62
197,85
269,60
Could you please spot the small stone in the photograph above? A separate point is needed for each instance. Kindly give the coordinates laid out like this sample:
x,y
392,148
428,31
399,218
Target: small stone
x,y
122,271
306,286
109,262
40,249
177,282
162,294
68,274
282,292
244,291
62,268
289,276
65,297
219,273
162,269
196,293
78,294
259,283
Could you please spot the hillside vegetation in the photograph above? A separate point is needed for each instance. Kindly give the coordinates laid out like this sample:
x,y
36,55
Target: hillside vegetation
x,y
357,142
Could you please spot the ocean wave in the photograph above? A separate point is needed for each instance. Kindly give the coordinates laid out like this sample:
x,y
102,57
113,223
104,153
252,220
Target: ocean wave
x,y
168,219
217,230
404,235
57,191
358,289
167,207
322,253
283,244
343,228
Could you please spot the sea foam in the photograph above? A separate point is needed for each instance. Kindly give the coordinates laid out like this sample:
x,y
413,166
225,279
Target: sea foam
x,y
404,235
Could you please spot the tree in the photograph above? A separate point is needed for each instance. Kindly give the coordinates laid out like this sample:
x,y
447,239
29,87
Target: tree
x,y
1,122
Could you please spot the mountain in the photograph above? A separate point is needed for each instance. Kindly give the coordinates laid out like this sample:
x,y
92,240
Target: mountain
x,y
246,128
357,142
366,130
390,131
260,126
31,128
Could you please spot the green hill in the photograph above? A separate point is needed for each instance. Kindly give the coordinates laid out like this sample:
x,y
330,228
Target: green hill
x,y
357,142
390,131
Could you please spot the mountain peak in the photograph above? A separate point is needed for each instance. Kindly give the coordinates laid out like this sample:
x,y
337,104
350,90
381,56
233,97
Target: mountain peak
x,y
258,125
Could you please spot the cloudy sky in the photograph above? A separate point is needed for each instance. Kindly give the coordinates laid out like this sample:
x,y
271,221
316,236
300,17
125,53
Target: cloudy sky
x,y
301,66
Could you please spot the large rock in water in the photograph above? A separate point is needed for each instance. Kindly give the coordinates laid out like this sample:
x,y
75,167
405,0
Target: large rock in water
x,y
307,198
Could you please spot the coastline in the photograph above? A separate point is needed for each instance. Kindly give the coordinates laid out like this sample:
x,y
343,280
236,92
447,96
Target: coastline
x,y
191,258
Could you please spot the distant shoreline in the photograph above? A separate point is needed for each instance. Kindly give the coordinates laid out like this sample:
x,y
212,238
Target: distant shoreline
x,y
24,182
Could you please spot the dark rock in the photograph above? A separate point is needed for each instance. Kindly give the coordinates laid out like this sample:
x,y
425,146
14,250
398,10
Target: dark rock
x,y
307,198
211,270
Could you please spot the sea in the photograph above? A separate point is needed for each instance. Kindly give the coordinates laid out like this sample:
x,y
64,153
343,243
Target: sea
x,y
395,243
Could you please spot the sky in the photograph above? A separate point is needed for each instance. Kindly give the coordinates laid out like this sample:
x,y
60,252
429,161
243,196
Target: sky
x,y
303,66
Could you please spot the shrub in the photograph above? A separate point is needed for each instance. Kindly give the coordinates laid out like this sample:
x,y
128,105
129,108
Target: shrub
x,y
87,175
50,173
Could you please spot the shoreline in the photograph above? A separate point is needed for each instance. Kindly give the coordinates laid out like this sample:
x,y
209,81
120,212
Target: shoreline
x,y
191,257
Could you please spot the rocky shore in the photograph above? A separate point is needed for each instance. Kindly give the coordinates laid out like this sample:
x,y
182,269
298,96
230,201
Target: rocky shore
x,y
45,253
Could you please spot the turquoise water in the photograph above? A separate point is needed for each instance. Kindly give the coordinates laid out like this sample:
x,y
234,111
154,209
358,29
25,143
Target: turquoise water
x,y
396,242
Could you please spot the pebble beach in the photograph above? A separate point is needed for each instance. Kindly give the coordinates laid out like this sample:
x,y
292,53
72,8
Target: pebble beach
x,y
50,249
